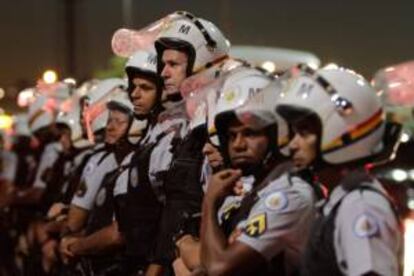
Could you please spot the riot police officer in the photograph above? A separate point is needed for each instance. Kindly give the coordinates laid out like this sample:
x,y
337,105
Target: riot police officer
x,y
189,46
138,194
337,114
101,232
262,232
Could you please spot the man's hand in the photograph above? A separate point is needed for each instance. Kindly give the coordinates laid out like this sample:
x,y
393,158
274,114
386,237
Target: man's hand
x,y
49,256
222,184
215,160
64,248
234,235
180,269
56,209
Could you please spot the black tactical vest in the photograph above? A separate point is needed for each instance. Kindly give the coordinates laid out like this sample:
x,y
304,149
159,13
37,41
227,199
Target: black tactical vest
x,y
75,176
183,179
138,211
54,177
183,190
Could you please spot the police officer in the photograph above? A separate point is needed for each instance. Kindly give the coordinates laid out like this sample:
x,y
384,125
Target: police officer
x,y
138,196
263,232
66,174
42,114
336,113
101,232
106,157
8,167
188,46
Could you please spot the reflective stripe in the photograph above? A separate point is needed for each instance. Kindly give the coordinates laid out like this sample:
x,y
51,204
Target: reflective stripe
x,y
355,134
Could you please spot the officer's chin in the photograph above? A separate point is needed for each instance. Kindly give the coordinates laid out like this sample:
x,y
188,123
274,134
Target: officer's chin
x,y
110,140
247,168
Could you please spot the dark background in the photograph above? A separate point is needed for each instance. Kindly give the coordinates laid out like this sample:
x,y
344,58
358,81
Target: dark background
x,y
73,36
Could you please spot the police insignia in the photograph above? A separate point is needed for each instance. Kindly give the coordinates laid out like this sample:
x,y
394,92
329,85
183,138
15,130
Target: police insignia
x,y
100,198
366,226
229,95
256,225
276,201
81,189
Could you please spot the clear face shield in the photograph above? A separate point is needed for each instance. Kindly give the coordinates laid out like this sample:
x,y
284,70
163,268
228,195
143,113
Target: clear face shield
x,y
95,115
125,42
198,101
395,85
201,92
259,112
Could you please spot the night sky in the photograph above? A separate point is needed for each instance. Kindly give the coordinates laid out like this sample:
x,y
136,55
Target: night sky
x,y
364,35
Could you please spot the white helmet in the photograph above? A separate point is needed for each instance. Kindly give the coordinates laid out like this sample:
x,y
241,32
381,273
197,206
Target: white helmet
x,y
259,112
144,63
395,84
71,118
95,113
119,100
200,91
200,39
42,112
241,84
349,110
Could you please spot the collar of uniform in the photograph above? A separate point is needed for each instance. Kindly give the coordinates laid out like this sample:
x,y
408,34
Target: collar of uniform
x,y
277,184
334,197
173,110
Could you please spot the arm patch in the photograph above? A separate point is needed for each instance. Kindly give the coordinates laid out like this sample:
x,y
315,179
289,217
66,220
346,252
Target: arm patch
x,y
256,226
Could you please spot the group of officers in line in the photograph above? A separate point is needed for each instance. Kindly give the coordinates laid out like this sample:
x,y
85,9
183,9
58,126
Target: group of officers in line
x,y
200,164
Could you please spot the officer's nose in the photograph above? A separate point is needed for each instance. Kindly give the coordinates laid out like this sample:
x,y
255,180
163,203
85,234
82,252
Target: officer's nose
x,y
294,143
136,94
165,73
111,126
239,143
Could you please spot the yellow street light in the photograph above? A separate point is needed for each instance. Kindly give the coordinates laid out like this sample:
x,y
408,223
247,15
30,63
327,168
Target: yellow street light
x,y
50,76
6,121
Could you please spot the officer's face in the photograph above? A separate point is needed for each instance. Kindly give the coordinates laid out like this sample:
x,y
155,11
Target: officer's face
x,y
246,147
116,127
174,70
143,96
303,147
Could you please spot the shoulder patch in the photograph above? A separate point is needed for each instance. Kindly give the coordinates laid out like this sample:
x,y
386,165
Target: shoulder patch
x,y
256,226
276,201
366,226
